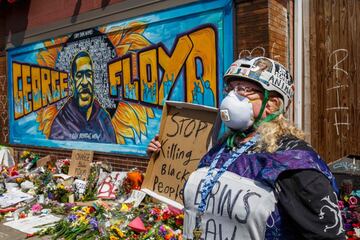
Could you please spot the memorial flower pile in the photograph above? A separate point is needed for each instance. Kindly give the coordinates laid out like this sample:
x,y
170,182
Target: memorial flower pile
x,y
81,202
350,211
99,221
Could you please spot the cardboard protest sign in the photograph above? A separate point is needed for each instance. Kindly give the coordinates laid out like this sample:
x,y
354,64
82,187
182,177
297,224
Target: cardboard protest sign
x,y
80,163
233,201
110,184
185,134
43,161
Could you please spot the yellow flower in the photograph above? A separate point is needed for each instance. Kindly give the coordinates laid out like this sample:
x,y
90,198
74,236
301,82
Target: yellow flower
x,y
87,210
80,214
19,180
74,208
83,219
124,208
112,237
117,231
25,154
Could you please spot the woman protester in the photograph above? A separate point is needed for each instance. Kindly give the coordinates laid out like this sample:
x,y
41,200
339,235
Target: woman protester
x,y
262,180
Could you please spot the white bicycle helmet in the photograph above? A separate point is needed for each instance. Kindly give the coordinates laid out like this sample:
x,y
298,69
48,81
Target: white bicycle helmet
x,y
270,74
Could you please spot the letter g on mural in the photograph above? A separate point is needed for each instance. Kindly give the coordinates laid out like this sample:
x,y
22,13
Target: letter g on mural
x,y
103,88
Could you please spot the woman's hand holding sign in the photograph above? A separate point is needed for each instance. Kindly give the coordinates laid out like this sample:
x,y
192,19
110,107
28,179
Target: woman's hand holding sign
x,y
154,145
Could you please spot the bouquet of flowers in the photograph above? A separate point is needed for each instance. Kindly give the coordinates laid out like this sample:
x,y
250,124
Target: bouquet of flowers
x,y
24,156
28,159
132,181
60,193
59,208
42,181
91,185
81,224
63,165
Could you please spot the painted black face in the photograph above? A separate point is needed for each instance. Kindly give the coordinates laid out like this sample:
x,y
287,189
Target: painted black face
x,y
84,81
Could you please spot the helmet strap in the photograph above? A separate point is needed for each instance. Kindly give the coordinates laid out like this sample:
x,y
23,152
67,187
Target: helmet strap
x,y
268,118
230,141
258,121
262,109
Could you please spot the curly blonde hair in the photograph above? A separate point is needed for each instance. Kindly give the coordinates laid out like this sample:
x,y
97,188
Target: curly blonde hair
x,y
271,132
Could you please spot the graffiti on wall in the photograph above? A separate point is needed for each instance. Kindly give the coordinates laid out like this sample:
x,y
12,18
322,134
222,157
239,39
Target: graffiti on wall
x,y
104,87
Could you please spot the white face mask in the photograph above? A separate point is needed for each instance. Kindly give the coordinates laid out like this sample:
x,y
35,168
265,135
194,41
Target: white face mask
x,y
236,112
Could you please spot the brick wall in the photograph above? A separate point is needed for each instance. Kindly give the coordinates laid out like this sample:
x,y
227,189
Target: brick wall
x,y
252,27
4,129
2,31
263,24
259,23
278,31
27,15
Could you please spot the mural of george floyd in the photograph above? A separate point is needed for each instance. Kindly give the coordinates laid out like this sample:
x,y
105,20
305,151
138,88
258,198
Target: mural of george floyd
x,y
103,88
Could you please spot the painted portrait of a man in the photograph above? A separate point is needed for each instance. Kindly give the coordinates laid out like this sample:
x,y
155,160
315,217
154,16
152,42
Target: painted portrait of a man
x,y
82,118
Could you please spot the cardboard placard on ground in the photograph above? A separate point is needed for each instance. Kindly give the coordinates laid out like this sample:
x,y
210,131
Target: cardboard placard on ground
x,y
136,197
185,134
43,161
14,197
80,163
33,224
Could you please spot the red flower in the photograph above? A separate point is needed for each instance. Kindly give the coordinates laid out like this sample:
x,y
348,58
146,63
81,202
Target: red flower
x,y
179,221
166,216
92,209
13,171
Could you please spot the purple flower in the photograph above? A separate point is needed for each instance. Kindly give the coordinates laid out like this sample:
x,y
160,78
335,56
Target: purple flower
x,y
94,223
162,231
347,226
69,205
72,218
51,196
